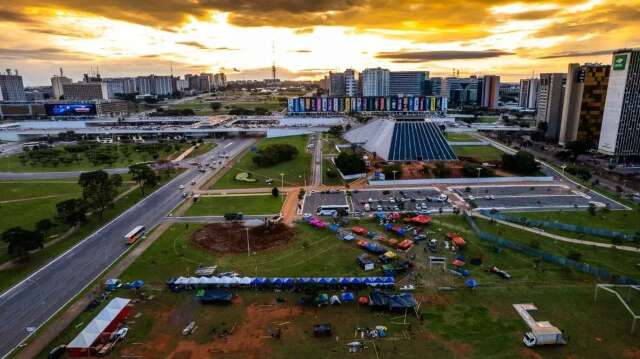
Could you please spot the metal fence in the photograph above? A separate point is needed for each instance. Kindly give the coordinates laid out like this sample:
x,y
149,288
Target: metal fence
x,y
574,228
600,273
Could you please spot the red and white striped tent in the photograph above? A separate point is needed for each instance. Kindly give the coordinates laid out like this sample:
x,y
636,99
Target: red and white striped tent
x,y
100,327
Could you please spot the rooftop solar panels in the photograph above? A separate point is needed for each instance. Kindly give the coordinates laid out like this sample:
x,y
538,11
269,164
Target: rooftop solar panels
x,y
419,141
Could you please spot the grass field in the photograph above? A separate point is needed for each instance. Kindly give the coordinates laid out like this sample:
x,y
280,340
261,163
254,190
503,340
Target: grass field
x,y
219,205
619,221
13,164
481,153
38,258
330,181
329,143
613,260
294,171
459,323
460,137
203,108
202,149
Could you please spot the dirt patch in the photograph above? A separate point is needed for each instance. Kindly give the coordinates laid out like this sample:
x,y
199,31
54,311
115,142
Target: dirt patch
x,y
232,237
529,353
631,353
432,300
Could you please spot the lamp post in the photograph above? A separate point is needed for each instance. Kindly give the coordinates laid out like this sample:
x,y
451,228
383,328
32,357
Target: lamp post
x,y
394,175
248,249
479,169
563,167
282,186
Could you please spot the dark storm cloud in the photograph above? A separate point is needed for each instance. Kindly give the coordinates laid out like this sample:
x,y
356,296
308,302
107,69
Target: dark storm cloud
x,y
578,54
427,56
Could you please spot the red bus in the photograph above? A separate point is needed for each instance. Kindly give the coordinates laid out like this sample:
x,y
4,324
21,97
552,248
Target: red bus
x,y
134,235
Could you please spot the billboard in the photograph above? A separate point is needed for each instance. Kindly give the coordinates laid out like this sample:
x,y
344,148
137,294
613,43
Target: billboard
x,y
620,62
70,109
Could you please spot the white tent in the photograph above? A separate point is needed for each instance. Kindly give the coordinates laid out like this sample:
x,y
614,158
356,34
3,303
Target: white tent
x,y
92,331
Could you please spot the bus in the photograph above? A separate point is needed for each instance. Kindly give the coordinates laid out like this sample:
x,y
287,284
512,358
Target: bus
x,y
134,235
331,210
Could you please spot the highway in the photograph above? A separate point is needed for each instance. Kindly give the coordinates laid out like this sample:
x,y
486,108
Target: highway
x,y
30,303
15,176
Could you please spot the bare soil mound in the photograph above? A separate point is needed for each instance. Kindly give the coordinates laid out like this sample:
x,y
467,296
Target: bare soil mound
x,y
232,237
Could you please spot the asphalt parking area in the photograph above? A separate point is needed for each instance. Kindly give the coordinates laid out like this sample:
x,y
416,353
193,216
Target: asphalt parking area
x,y
531,197
414,200
313,200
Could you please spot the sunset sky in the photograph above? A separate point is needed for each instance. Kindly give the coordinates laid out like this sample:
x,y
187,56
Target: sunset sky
x,y
124,38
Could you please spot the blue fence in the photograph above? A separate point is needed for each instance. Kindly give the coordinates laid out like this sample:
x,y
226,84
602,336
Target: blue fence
x,y
600,273
600,232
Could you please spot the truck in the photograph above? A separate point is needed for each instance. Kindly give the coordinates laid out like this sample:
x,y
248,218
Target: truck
x,y
543,336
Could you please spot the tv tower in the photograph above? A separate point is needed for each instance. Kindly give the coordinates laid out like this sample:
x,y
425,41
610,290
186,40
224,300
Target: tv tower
x,y
273,65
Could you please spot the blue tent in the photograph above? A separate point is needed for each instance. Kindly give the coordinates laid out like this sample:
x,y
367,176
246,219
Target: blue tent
x,y
276,280
136,284
304,280
388,280
323,281
388,226
333,228
345,281
356,280
380,215
471,283
347,297
348,237
287,281
367,280
333,281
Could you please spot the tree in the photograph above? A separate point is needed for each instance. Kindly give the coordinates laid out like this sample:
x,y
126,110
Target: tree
x,y
44,225
522,163
336,130
389,170
143,175
99,190
441,170
350,163
72,211
274,154
275,192
21,241
215,106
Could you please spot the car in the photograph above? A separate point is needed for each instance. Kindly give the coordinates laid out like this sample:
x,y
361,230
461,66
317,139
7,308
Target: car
x,y
181,186
184,195
379,208
193,182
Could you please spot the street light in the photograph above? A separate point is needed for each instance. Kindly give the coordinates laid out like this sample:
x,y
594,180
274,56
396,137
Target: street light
x,y
248,249
282,186
563,167
479,169
394,175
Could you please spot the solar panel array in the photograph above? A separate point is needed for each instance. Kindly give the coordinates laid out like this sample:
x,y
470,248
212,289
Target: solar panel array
x,y
419,141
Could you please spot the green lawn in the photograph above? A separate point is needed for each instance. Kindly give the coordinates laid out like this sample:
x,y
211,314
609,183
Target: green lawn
x,y
219,205
329,143
460,137
613,260
458,323
39,258
294,171
481,153
330,181
619,221
202,149
127,155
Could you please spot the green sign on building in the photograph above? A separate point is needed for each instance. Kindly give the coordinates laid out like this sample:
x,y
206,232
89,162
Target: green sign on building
x,y
620,62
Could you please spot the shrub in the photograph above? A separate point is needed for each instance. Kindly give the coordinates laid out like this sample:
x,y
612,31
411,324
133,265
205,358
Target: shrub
x,y
575,256
274,154
350,163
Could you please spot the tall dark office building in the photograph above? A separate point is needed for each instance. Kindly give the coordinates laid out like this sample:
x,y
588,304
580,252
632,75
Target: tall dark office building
x,y
407,82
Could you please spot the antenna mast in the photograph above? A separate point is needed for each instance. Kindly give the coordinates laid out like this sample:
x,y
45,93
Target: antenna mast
x,y
273,65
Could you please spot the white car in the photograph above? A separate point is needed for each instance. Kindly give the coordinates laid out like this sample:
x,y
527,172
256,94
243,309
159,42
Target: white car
x,y
181,186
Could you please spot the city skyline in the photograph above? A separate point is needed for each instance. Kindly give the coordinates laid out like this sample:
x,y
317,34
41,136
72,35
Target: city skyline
x,y
507,38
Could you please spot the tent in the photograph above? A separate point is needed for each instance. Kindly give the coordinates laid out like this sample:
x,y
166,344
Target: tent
x,y
401,301
405,245
421,219
216,296
334,300
333,228
348,237
322,299
347,297
394,216
363,300
101,326
471,283
361,231
458,263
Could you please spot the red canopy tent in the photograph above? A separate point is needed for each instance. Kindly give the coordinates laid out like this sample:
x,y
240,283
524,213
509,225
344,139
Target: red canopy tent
x,y
421,219
406,244
359,230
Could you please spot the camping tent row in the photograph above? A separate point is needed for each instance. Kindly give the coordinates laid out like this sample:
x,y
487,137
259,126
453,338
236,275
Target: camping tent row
x,y
284,281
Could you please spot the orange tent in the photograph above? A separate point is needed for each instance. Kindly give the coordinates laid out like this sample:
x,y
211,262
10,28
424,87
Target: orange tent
x,y
359,230
406,244
421,219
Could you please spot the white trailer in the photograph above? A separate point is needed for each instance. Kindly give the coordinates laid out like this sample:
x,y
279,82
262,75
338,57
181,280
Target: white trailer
x,y
542,333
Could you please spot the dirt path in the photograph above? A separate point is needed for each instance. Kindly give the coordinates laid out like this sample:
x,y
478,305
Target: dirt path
x,y
31,198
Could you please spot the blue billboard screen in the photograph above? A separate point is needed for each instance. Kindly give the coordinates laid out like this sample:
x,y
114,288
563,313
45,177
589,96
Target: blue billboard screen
x,y
70,109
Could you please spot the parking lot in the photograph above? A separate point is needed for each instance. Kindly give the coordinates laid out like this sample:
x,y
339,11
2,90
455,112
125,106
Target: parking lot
x,y
415,200
313,200
535,197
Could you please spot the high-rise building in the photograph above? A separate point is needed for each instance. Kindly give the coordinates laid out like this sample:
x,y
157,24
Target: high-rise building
x,y
11,87
528,93
200,83
584,98
410,83
460,91
490,86
435,84
155,85
352,83
120,85
181,84
56,84
375,82
550,102
85,91
336,84
219,80
620,134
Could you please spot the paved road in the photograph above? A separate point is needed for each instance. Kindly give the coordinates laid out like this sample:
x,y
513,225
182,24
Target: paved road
x,y
316,168
33,301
